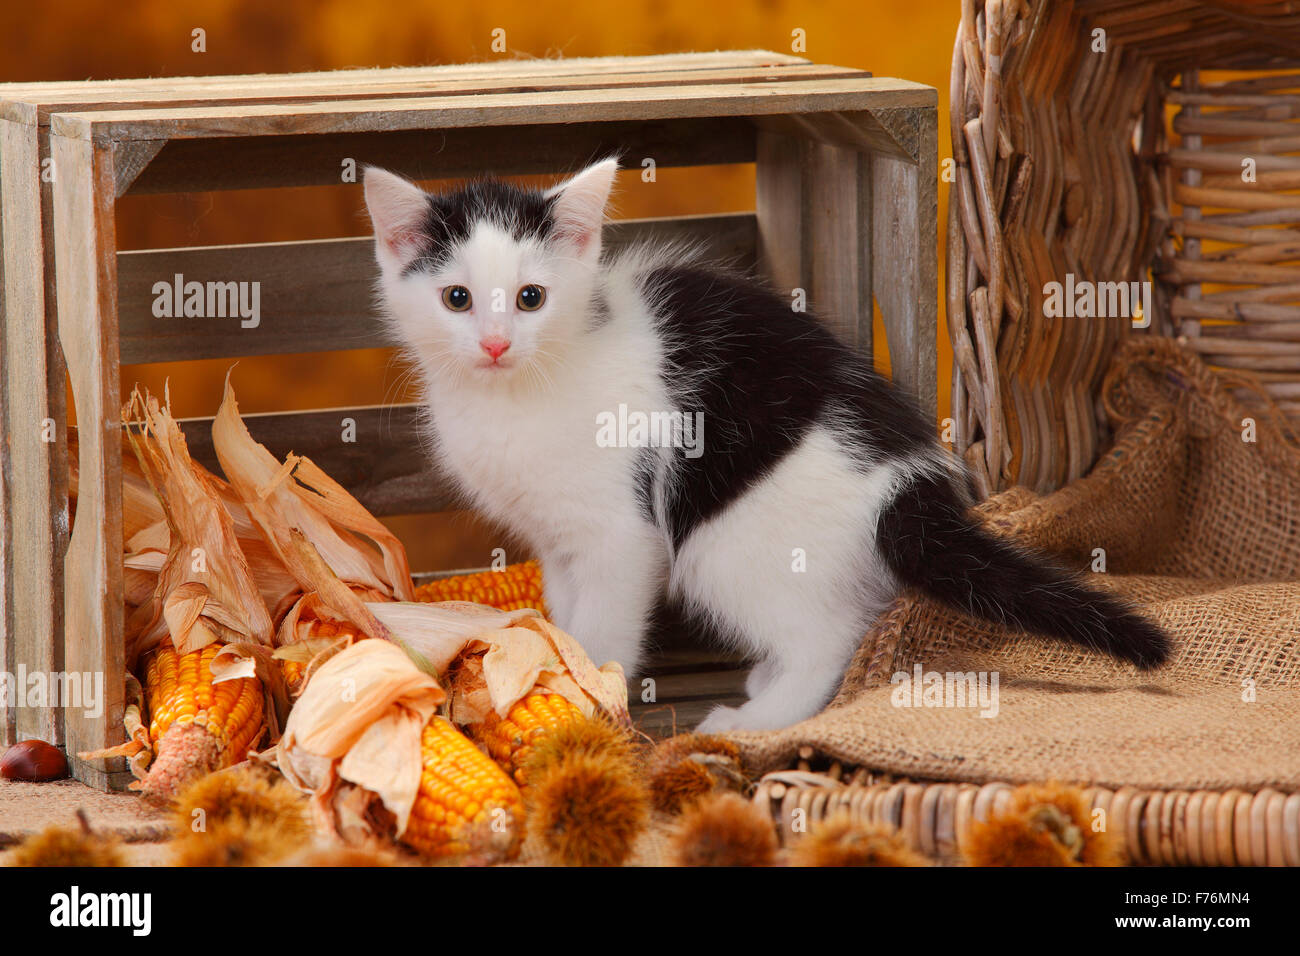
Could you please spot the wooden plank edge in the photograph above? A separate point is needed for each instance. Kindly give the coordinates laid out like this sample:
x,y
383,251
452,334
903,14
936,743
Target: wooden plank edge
x,y
37,111
521,66
507,109
188,165
101,774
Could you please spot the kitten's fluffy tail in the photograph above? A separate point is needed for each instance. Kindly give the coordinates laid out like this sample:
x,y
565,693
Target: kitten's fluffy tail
x,y
932,544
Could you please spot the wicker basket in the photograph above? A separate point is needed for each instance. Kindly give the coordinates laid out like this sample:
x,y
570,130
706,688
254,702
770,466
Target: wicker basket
x,y
1154,827
1069,168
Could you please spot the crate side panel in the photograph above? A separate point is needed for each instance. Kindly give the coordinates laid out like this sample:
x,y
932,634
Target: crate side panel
x,y
32,437
86,275
839,240
905,224
315,296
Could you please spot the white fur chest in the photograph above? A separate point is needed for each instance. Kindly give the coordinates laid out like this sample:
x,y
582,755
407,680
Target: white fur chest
x,y
532,460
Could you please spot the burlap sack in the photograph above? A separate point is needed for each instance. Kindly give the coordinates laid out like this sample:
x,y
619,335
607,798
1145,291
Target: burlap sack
x,y
1201,528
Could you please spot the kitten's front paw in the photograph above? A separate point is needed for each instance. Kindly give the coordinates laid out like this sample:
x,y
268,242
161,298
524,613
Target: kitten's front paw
x,y
720,720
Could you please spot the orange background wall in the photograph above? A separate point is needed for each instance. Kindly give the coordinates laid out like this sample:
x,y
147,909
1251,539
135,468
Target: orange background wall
x,y
82,39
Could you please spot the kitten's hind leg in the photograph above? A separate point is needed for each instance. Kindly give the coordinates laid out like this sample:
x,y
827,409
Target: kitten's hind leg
x,y
760,676
805,647
798,690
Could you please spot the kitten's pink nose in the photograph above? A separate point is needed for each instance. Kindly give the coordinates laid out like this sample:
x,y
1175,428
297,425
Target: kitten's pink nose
x,y
494,345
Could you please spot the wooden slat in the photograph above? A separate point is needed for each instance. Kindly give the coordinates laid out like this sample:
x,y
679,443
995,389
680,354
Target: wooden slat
x,y
273,161
814,226
7,713
704,684
507,109
385,467
685,653
780,203
344,79
838,235
36,515
37,109
86,270
8,716
319,296
905,227
862,130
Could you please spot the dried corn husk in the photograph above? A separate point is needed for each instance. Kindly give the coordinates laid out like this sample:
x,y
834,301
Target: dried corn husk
x,y
296,496
357,727
294,640
204,591
330,600
436,634
338,554
249,659
500,657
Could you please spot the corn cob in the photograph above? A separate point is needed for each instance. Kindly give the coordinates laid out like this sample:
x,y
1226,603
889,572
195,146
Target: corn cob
x,y
510,740
294,671
196,726
466,804
514,587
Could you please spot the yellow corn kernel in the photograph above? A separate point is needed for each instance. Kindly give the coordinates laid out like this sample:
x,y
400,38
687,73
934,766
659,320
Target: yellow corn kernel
x,y
514,587
179,690
466,804
510,740
293,671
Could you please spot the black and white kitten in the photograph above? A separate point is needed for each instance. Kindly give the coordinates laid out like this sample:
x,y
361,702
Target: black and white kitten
x,y
820,491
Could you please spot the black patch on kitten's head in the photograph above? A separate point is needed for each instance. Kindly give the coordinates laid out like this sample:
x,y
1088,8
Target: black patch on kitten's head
x,y
599,312
525,213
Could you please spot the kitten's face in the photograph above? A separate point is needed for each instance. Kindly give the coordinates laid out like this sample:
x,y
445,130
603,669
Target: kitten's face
x,y
488,280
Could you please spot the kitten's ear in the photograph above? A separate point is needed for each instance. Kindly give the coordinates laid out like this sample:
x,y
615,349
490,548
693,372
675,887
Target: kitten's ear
x,y
397,209
579,209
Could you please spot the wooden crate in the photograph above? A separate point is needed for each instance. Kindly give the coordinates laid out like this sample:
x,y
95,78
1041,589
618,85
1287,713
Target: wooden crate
x,y
33,473
846,189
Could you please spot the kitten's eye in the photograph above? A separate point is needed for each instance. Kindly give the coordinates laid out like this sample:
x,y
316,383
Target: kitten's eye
x,y
531,297
456,298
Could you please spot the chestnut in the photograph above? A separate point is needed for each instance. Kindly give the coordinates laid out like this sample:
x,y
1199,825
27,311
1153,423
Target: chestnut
x,y
33,760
